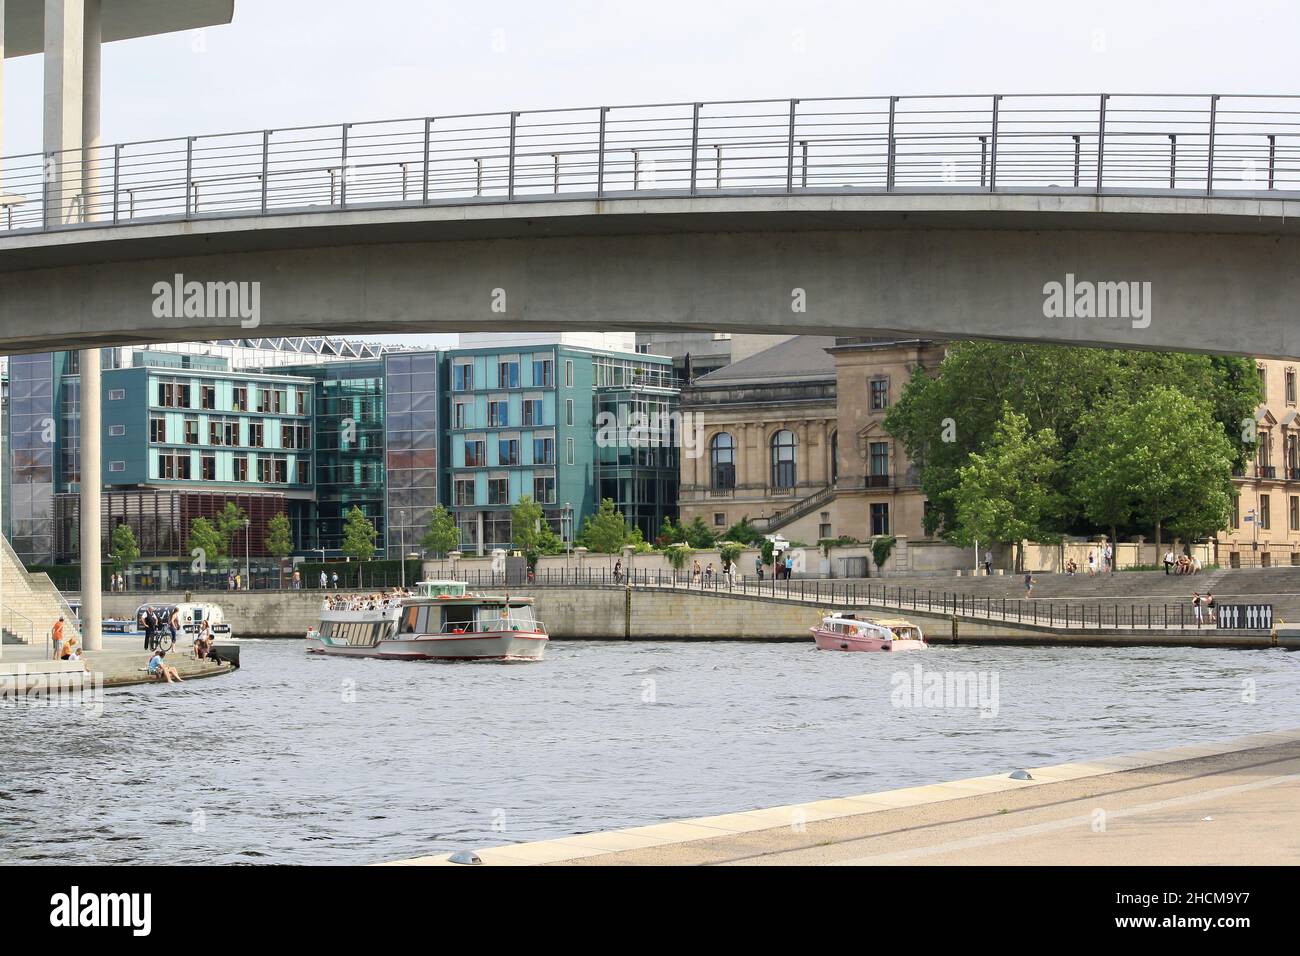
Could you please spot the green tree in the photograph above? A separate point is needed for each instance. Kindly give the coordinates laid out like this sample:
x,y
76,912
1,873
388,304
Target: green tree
x,y
1009,492
744,532
531,532
698,535
125,551
942,419
230,524
1161,461
208,541
730,552
881,548
443,535
359,536
606,531
279,538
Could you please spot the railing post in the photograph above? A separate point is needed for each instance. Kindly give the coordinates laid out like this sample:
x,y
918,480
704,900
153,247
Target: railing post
x,y
789,150
600,155
189,173
695,143
993,155
428,132
343,166
1101,137
984,160
266,166
510,176
1173,159
889,147
1209,171
803,174
1076,160
1272,147
117,169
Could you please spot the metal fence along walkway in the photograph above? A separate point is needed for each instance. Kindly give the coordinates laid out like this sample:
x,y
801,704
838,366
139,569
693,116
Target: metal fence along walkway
x,y
1142,144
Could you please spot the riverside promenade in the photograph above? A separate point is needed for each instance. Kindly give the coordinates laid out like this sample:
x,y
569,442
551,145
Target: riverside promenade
x,y
121,663
1233,802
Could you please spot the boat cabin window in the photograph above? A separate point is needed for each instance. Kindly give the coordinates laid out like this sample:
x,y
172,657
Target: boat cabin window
x,y
416,619
436,589
458,617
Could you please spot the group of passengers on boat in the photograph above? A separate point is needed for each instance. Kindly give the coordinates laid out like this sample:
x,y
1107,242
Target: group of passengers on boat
x,y
377,601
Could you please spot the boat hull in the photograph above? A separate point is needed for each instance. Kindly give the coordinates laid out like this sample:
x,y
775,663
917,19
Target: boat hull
x,y
828,641
485,646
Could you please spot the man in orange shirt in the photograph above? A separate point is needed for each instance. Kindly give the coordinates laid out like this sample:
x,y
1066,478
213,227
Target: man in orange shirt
x,y
58,638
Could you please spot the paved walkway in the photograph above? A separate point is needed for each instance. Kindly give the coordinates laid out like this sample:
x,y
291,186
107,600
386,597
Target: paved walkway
x,y
122,661
1230,803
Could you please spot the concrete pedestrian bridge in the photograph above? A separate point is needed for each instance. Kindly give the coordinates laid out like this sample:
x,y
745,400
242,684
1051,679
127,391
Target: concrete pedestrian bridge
x,y
1163,222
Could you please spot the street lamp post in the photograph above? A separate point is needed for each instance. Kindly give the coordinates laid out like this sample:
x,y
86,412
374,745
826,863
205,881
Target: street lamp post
x,y
248,551
401,551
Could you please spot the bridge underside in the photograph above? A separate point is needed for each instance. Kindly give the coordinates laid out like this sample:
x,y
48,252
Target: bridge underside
x,y
1223,273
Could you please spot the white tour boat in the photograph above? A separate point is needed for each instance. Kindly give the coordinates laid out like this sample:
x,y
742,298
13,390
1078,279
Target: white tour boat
x,y
441,621
846,632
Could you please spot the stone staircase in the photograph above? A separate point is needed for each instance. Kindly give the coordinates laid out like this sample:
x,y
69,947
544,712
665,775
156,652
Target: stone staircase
x,y
803,506
31,602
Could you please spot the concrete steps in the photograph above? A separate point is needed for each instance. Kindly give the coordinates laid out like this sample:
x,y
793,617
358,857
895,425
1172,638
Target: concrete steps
x,y
31,602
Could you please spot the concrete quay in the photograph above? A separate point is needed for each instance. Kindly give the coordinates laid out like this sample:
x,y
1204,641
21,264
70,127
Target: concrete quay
x,y
602,612
1226,803
121,663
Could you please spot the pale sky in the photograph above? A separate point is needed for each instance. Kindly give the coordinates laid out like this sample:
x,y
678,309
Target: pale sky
x,y
299,62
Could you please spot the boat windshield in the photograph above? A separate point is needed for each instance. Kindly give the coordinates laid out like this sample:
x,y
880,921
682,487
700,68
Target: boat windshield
x,y
437,589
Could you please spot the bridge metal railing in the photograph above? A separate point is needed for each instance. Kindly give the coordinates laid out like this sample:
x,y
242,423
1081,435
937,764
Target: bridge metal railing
x,y
1090,144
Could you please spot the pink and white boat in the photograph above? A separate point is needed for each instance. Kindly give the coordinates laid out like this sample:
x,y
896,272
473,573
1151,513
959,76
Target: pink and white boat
x,y
846,632
442,621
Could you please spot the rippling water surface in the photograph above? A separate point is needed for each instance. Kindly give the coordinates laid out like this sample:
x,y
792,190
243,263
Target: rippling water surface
x,y
298,759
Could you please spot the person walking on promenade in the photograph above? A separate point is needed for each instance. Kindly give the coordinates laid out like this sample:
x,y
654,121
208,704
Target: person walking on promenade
x,y
1197,609
758,567
789,567
1029,584
695,572
334,576
988,564
1108,559
324,581
618,572
1169,561
1092,564
1209,607
57,635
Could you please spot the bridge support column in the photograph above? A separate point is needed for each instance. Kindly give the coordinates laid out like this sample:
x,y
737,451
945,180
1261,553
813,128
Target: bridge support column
x,y
91,483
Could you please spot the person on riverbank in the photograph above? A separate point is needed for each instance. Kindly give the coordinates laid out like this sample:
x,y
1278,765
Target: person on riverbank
x,y
618,572
159,668
334,577
1092,564
56,634
1209,607
1029,585
708,574
758,567
789,567
695,572
1169,562
1197,608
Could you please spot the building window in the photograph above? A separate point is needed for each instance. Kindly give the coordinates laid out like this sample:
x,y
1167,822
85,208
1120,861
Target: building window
x,y
569,450
462,377
498,414
498,491
240,398
117,430
784,473
544,373
878,476
508,373
157,429
255,435
543,451
287,436
533,411
1295,512
1290,387
879,394
475,454
1265,512
282,471
121,466
568,411
722,462
191,431
568,373
464,491
209,466
835,456
241,468
302,401
880,519
460,415
508,451
544,489
1263,378
719,519
116,394
208,396
1236,512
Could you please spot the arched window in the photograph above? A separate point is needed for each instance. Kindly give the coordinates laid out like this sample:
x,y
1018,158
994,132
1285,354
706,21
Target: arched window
x,y
722,462
783,459
835,456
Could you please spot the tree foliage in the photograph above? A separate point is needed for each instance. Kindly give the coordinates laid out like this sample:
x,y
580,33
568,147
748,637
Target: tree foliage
x,y
279,536
124,550
359,537
606,531
442,535
942,420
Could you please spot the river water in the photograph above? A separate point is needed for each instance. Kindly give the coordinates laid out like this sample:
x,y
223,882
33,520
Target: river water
x,y
305,759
